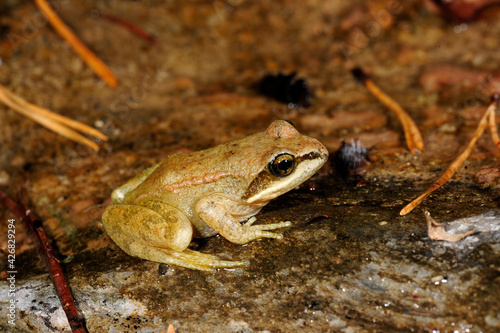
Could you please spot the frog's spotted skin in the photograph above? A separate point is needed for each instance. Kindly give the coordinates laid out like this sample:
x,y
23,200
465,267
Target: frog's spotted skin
x,y
155,215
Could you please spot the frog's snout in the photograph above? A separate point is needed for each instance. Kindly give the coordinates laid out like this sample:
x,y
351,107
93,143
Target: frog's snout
x,y
313,155
322,152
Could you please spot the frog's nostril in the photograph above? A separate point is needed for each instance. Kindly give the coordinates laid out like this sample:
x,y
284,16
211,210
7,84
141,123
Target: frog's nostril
x,y
312,155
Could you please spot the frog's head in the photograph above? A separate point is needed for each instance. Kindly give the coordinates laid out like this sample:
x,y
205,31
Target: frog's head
x,y
289,159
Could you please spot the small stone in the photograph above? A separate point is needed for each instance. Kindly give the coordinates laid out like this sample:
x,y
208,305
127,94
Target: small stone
x,y
437,279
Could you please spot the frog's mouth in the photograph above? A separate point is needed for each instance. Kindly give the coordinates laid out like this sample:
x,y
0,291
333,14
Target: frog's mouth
x,y
267,186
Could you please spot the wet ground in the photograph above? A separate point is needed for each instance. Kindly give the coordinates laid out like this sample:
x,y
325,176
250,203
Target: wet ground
x,y
349,263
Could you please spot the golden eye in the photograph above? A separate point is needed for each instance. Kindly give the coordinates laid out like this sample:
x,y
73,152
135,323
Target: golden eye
x,y
282,165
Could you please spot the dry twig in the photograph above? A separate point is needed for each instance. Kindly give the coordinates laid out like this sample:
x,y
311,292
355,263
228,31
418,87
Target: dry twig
x,y
52,121
88,56
412,134
457,163
35,230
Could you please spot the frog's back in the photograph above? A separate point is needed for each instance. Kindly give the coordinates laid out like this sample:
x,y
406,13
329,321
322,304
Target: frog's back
x,y
181,177
230,169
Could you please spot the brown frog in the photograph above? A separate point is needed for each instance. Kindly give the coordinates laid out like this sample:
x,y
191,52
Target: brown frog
x,y
155,215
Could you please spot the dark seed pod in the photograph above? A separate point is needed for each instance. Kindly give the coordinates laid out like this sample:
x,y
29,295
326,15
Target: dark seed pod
x,y
351,160
286,89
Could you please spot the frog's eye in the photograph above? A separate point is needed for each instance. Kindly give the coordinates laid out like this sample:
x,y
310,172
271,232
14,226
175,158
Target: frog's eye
x,y
282,165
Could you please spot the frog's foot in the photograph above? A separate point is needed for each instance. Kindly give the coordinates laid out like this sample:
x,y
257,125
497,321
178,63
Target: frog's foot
x,y
209,259
263,227
188,258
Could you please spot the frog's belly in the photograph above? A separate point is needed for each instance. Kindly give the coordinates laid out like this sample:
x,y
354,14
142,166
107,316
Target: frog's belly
x,y
203,232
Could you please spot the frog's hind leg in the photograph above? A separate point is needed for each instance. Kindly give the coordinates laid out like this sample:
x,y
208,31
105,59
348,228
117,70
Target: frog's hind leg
x,y
118,195
158,232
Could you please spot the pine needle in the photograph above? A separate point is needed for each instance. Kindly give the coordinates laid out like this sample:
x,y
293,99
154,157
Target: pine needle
x,y
493,130
55,122
88,56
457,163
412,134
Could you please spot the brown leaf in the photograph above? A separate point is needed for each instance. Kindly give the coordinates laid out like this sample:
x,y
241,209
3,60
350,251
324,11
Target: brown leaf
x,y
436,231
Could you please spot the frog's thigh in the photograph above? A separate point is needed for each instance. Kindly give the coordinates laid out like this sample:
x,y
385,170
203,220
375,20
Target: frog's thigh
x,y
153,225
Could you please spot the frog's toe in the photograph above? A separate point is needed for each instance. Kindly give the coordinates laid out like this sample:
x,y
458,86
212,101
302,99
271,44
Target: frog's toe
x,y
250,221
267,234
206,255
272,226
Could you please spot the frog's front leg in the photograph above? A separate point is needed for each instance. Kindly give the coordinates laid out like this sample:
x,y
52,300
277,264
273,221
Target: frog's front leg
x,y
158,232
213,210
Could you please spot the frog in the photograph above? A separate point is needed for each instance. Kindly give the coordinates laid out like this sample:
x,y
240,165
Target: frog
x,y
157,214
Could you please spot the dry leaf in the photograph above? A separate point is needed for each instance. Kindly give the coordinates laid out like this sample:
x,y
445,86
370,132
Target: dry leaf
x,y
436,231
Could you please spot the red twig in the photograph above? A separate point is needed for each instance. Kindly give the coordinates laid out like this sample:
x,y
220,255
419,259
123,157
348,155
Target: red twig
x,y
130,27
35,230
461,11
